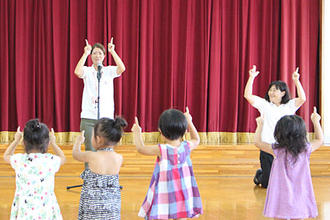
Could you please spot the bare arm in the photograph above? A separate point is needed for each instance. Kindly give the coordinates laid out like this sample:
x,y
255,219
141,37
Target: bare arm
x,y
76,151
120,65
11,148
249,86
139,143
79,68
300,90
259,143
57,150
194,142
318,141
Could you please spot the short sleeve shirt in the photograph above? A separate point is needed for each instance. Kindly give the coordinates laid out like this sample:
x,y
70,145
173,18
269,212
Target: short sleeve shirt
x,y
90,92
272,114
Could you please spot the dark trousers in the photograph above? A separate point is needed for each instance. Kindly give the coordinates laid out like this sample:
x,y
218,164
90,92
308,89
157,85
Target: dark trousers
x,y
266,161
88,126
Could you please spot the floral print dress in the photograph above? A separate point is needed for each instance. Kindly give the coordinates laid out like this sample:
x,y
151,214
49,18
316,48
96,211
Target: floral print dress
x,y
34,196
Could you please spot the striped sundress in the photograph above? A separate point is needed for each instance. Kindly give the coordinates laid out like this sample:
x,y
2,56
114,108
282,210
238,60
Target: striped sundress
x,y
100,196
173,191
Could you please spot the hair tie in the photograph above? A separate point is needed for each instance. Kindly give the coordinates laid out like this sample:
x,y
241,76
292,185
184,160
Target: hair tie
x,y
36,126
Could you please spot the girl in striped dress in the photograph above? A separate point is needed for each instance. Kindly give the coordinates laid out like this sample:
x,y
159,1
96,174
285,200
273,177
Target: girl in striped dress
x,y
100,197
173,191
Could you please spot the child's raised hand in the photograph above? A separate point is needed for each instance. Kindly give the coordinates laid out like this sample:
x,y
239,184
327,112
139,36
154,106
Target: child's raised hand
x,y
81,138
253,71
18,134
111,46
315,117
187,114
52,138
88,48
295,75
136,127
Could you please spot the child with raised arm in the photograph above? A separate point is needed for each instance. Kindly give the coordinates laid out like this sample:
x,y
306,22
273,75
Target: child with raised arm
x,y
35,171
100,196
290,192
173,191
277,103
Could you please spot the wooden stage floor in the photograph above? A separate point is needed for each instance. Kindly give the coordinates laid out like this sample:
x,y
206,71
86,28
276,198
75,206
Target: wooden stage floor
x,y
224,176
222,197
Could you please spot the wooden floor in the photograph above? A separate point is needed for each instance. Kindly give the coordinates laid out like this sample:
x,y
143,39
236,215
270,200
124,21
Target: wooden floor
x,y
224,176
222,197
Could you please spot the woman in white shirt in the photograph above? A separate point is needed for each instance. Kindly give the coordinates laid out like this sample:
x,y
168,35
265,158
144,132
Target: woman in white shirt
x,y
276,104
89,112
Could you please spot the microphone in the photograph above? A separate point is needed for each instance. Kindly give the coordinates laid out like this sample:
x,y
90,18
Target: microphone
x,y
99,67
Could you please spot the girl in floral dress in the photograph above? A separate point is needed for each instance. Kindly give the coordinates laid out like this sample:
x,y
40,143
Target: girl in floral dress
x,y
173,191
35,171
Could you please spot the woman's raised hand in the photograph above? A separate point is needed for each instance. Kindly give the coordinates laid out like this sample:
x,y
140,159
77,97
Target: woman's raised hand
x,y
253,71
296,75
111,46
88,48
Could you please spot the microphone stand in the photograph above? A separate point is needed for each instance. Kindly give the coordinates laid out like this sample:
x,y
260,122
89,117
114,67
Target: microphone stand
x,y
99,67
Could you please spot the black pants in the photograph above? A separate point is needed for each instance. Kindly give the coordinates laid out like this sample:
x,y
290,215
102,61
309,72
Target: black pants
x,y
266,161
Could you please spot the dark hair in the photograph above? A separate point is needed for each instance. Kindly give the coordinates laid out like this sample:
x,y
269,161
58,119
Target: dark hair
x,y
110,129
98,45
290,133
282,86
173,124
36,136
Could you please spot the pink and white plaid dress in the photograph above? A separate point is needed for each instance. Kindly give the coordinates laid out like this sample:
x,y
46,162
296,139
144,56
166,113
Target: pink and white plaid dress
x,y
173,191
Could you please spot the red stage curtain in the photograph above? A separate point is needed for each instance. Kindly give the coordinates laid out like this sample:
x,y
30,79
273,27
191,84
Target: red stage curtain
x,y
177,53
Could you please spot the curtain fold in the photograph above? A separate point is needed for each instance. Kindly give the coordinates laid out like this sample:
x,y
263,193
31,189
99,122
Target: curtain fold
x,y
177,53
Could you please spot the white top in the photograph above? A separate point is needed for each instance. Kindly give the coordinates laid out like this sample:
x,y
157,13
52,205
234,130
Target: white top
x,y
89,99
272,114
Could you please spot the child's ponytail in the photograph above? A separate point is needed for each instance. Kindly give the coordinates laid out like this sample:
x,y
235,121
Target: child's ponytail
x,y
36,136
120,123
110,129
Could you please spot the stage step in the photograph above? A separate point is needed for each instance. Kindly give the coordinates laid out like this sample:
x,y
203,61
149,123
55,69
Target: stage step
x,y
223,160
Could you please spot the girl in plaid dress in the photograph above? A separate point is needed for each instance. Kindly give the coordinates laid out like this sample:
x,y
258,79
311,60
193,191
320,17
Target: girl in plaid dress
x,y
173,191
